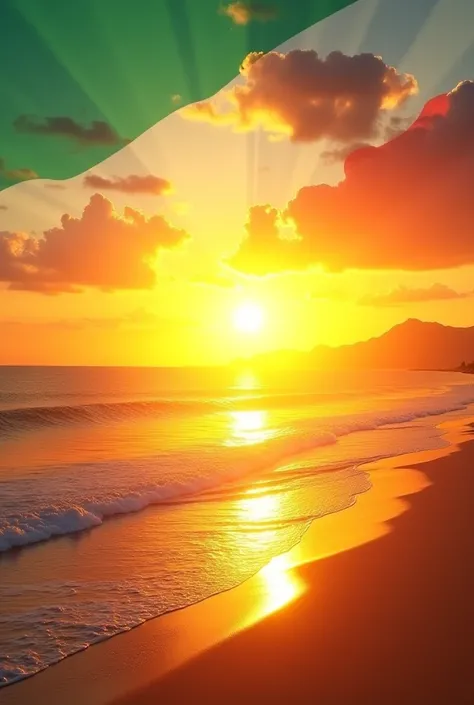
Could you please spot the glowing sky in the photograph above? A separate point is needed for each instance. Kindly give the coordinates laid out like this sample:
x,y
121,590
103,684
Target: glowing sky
x,y
214,176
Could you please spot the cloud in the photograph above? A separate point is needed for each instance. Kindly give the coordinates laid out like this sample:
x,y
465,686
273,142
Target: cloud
x,y
148,184
242,13
396,125
98,133
101,248
3,208
264,250
339,154
22,174
406,205
393,127
404,295
307,98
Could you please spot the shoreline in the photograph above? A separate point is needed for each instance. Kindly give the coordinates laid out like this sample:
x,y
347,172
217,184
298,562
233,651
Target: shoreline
x,y
137,660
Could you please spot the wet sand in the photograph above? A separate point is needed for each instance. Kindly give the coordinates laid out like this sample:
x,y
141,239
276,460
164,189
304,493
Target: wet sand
x,y
379,611
391,621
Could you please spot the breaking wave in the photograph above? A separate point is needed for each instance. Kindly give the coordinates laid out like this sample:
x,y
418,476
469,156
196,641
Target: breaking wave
x,y
66,517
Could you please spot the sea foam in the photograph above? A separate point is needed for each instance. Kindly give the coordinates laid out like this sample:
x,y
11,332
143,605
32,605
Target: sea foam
x,y
67,516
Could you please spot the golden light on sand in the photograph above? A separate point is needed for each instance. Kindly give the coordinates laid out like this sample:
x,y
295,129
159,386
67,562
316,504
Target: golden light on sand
x,y
249,318
277,583
280,583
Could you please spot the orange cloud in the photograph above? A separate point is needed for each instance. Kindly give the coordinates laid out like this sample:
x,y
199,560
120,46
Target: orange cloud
x,y
98,133
102,249
404,295
244,12
308,98
264,250
149,184
406,205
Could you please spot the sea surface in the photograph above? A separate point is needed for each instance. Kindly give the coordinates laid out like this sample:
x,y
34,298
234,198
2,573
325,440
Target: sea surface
x,y
126,493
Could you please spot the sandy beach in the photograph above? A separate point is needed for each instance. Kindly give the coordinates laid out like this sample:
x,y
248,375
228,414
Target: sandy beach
x,y
379,610
391,621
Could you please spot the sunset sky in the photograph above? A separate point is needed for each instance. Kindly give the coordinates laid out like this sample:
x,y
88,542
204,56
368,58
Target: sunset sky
x,y
148,257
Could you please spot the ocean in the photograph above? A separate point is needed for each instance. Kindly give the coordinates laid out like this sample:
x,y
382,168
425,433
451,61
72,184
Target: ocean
x,y
126,493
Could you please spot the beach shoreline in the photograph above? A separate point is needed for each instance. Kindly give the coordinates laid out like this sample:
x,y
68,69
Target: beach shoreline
x,y
150,662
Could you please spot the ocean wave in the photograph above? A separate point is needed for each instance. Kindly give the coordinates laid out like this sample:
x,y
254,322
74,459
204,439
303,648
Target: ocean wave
x,y
20,419
59,519
27,418
48,621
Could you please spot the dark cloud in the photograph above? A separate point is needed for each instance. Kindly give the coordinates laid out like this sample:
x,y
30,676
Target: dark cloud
x,y
306,98
244,12
101,248
404,295
396,125
149,184
3,208
22,174
98,133
406,205
58,187
339,154
393,127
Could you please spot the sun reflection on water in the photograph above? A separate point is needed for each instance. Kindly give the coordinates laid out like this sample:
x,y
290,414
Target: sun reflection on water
x,y
249,427
247,380
278,584
259,507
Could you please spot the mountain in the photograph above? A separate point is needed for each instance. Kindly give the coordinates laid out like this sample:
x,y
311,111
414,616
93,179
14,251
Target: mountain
x,y
413,344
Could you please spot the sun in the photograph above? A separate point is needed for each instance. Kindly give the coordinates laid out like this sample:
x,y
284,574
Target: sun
x,y
249,318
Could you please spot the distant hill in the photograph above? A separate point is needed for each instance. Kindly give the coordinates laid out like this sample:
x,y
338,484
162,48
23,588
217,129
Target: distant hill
x,y
466,368
413,344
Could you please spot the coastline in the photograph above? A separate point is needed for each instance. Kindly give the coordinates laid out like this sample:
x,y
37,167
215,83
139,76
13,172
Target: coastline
x,y
163,658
